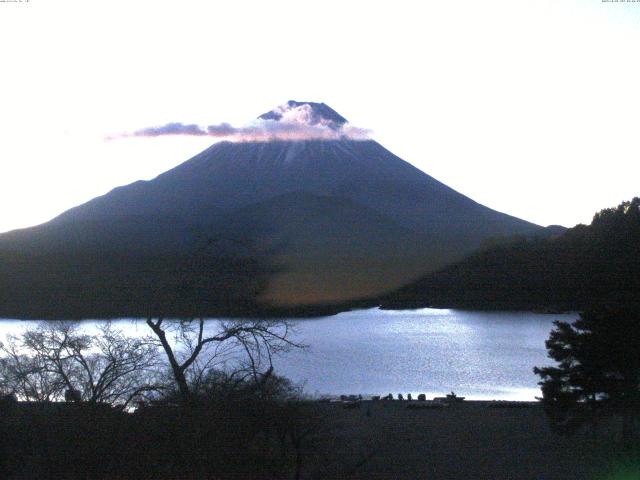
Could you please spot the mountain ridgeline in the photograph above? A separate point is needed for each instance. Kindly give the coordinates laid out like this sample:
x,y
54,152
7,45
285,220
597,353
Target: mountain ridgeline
x,y
585,267
254,227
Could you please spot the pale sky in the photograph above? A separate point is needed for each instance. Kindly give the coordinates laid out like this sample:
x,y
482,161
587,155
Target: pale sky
x,y
529,107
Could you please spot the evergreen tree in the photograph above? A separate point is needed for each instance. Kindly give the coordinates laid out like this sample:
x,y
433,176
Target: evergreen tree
x,y
598,371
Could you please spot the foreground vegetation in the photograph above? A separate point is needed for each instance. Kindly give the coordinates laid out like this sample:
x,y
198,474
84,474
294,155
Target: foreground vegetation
x,y
241,432
246,438
162,407
597,373
185,401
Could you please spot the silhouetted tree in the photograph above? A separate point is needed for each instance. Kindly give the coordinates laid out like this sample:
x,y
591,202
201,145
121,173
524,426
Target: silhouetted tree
x,y
25,376
598,370
56,361
193,347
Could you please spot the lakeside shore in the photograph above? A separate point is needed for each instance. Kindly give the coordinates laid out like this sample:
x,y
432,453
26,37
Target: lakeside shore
x,y
496,440
469,439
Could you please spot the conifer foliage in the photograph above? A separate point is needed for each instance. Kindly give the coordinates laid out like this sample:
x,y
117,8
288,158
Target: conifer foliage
x,y
598,371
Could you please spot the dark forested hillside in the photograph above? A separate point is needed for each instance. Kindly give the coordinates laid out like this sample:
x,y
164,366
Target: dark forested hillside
x,y
584,266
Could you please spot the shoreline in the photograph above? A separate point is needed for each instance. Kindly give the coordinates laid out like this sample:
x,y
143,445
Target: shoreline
x,y
499,440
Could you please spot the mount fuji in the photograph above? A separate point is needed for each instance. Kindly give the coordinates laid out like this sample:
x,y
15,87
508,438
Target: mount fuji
x,y
323,219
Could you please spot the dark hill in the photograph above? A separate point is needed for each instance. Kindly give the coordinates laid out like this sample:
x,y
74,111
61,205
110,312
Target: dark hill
x,y
584,267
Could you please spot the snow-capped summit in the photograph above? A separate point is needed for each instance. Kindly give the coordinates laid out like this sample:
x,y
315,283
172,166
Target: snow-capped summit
x,y
306,113
305,215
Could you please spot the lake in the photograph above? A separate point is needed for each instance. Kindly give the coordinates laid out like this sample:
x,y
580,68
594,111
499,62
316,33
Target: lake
x,y
480,355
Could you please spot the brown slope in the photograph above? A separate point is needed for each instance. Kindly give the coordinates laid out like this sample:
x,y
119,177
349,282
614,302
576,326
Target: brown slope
x,y
328,250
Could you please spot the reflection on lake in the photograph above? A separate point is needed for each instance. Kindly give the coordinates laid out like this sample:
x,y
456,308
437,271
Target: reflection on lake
x,y
481,355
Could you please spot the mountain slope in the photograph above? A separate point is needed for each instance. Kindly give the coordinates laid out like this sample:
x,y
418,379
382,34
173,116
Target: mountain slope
x,y
327,249
228,176
580,268
324,221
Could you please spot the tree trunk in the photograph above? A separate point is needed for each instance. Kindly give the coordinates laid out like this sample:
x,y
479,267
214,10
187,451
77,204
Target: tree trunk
x,y
183,387
176,368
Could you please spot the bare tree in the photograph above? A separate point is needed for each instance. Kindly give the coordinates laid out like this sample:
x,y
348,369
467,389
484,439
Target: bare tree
x,y
198,347
26,376
46,362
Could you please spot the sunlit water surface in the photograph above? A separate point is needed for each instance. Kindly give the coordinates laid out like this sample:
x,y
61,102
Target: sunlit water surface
x,y
480,355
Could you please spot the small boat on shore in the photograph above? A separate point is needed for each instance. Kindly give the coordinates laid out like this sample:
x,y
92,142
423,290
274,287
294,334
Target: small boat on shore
x,y
450,398
453,398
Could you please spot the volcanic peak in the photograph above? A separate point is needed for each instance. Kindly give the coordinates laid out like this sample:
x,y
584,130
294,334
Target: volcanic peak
x,y
307,113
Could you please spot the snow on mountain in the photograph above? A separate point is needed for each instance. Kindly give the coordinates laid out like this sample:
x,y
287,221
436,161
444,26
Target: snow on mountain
x,y
332,219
